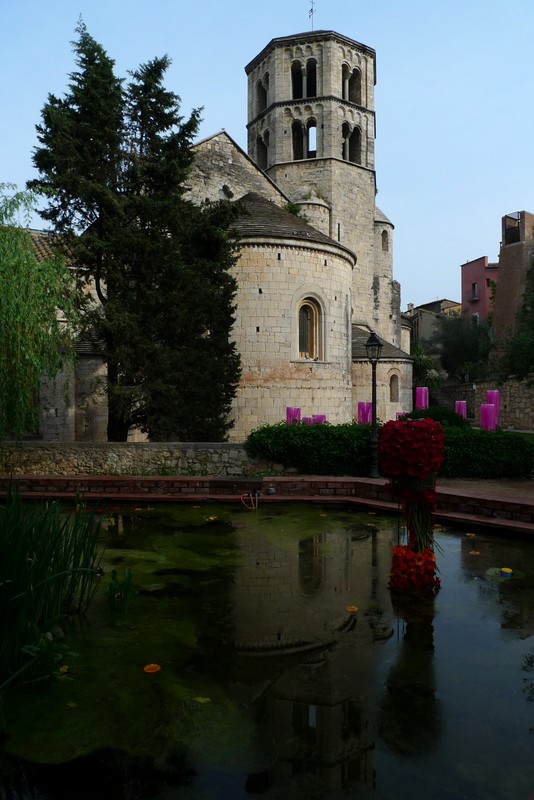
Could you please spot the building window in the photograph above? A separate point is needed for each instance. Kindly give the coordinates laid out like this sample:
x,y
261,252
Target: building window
x,y
474,291
385,242
311,139
351,148
262,151
297,80
311,78
394,389
351,89
310,330
262,96
297,135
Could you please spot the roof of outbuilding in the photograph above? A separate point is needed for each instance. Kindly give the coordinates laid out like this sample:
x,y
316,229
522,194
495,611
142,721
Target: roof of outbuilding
x,y
266,219
43,245
389,351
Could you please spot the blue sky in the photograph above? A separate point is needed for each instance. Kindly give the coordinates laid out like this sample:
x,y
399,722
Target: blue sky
x,y
454,100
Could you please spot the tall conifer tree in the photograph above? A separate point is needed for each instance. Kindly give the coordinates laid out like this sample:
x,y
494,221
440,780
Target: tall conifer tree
x,y
160,265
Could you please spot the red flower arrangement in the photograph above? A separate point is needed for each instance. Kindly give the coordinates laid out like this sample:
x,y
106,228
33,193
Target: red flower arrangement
x,y
411,449
413,572
410,453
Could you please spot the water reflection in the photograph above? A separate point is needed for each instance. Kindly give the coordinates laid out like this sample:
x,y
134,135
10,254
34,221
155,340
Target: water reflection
x,y
409,720
274,685
315,718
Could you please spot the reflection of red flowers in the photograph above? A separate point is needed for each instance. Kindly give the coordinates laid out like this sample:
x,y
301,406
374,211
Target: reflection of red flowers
x,y
411,448
413,572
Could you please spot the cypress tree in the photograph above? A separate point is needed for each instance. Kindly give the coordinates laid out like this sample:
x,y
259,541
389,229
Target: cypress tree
x,y
116,160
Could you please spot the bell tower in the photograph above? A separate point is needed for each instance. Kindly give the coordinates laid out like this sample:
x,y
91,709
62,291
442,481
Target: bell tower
x,y
311,128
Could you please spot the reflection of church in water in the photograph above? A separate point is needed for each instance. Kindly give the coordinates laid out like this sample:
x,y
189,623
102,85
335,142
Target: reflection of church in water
x,y
314,711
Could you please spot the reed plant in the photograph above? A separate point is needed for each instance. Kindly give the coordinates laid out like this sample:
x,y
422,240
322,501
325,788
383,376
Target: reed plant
x,y
49,568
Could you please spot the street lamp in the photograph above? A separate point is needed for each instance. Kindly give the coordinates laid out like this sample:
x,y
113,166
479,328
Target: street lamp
x,y
373,347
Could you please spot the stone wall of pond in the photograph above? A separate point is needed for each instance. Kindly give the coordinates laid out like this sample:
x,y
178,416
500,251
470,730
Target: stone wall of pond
x,y
139,458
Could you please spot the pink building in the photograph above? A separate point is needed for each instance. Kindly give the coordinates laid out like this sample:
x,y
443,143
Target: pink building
x,y
478,279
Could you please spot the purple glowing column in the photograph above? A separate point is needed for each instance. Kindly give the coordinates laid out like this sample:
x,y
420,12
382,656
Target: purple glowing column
x,y
494,396
292,415
488,418
421,397
365,411
460,407
319,419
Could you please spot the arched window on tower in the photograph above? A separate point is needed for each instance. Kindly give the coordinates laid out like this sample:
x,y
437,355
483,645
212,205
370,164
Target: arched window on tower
x,y
310,329
352,148
355,87
311,78
262,151
385,242
297,135
296,80
394,389
262,88
355,146
345,74
311,139
351,84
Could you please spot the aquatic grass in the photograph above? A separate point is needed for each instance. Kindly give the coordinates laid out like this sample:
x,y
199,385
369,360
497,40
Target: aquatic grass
x,y
48,567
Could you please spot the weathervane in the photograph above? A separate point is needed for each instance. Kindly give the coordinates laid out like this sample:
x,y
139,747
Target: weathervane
x,y
311,11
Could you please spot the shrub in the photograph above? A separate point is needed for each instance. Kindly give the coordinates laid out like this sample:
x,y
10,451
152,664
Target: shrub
x,y
314,449
345,450
471,453
446,416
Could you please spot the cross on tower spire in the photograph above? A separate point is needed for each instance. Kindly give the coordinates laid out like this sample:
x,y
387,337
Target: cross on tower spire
x,y
311,12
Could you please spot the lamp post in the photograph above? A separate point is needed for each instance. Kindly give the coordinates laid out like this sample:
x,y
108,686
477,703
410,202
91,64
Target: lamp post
x,y
373,347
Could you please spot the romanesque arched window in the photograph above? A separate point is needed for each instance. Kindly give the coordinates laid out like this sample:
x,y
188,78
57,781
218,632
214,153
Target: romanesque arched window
x,y
262,88
385,242
352,147
262,152
311,78
394,389
351,85
310,329
355,87
311,139
297,137
296,80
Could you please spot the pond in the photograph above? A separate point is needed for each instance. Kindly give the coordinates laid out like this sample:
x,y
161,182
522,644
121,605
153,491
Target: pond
x,y
232,652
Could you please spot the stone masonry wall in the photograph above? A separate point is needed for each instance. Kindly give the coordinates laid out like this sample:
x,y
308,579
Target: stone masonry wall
x,y
118,458
517,401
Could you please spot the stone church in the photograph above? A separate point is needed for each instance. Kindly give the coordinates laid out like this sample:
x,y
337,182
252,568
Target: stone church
x,y
313,284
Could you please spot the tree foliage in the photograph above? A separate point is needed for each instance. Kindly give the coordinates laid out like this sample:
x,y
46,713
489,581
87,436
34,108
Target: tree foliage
x,y
462,345
113,162
38,316
518,358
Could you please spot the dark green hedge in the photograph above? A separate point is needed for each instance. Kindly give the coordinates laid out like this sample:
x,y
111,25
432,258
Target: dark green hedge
x,y
473,453
345,450
314,449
